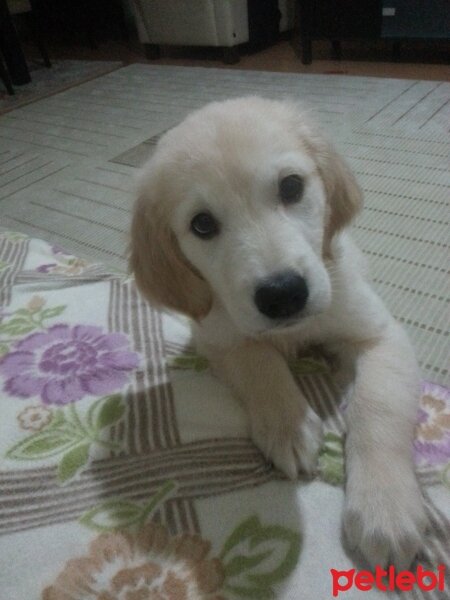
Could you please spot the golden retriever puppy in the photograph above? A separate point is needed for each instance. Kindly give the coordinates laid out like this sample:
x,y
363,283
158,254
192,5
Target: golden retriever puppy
x,y
241,224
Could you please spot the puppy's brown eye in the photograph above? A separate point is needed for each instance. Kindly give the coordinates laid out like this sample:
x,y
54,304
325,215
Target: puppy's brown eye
x,y
291,189
204,226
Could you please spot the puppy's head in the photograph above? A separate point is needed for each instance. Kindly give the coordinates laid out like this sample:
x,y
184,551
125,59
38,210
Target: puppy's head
x,y
238,207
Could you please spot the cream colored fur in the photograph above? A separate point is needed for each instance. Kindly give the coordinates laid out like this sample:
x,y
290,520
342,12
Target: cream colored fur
x,y
227,158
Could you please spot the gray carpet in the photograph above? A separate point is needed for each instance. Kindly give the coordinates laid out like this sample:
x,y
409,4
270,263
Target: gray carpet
x,y
67,165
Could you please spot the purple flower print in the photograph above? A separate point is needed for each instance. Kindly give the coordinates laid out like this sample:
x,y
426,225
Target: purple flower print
x,y
56,249
46,268
66,363
432,443
73,266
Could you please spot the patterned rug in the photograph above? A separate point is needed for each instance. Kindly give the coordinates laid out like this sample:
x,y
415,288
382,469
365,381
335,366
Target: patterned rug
x,y
128,462
159,449
62,75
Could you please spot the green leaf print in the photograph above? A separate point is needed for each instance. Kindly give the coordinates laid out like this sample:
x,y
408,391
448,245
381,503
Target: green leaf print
x,y
251,593
257,556
22,312
73,461
17,326
48,442
331,464
111,410
30,318
307,366
72,435
189,361
241,563
114,514
446,476
48,313
58,419
119,514
299,366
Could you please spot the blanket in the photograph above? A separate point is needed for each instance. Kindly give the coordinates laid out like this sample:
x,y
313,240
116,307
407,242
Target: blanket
x,y
126,468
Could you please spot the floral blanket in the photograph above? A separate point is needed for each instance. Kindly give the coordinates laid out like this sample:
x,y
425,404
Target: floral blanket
x,y
126,471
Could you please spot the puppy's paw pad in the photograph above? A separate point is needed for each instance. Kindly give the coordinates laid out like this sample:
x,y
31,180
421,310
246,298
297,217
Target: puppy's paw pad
x,y
386,530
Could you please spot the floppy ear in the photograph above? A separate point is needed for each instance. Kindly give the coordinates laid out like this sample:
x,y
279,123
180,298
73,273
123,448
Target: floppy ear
x,y
161,271
344,196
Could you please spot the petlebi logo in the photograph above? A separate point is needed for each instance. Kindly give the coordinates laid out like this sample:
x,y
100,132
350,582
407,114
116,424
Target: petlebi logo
x,y
388,580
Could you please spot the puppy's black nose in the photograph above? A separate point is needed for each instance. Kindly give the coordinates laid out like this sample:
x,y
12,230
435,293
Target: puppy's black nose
x,y
281,296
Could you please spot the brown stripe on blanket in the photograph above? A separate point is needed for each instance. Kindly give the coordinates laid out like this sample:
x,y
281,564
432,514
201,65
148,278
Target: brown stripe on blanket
x,y
136,437
137,434
212,449
180,510
209,447
170,427
198,473
25,484
12,252
190,484
149,422
155,378
187,515
144,331
62,513
173,348
114,430
128,438
142,493
429,478
436,550
118,301
324,398
89,274
170,518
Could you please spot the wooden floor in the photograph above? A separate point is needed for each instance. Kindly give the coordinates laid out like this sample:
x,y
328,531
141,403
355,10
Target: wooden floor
x,y
418,61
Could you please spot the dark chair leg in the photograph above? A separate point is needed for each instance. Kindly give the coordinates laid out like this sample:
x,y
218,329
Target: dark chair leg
x,y
37,18
306,51
396,47
152,51
306,30
4,76
37,38
86,17
231,55
11,50
337,49
121,21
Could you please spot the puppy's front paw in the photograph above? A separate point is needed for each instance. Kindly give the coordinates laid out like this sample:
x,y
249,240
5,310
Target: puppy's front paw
x,y
385,520
288,435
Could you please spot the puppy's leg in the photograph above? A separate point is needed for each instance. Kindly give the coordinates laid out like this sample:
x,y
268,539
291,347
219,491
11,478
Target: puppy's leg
x,y
384,515
282,424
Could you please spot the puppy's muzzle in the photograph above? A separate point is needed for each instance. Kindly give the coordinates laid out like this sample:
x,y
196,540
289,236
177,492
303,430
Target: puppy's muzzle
x,y
282,295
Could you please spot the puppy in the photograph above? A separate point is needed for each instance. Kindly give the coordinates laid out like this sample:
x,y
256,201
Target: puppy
x,y
241,223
